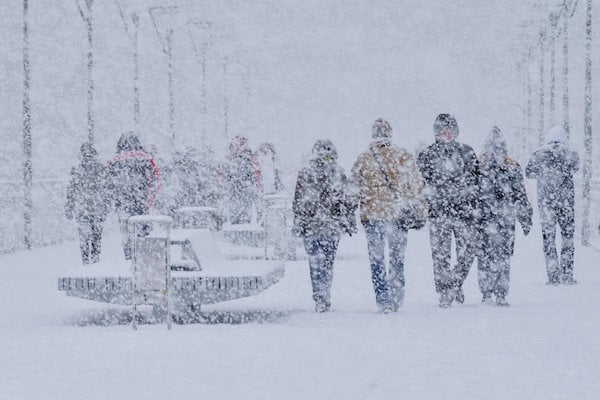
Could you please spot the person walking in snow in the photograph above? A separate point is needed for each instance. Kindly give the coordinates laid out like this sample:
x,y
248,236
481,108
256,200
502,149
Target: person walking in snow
x,y
553,166
450,171
133,182
270,177
322,212
502,201
87,202
386,180
241,176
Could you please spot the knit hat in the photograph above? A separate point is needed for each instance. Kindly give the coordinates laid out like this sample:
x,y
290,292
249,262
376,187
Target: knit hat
x,y
444,121
324,149
381,129
88,150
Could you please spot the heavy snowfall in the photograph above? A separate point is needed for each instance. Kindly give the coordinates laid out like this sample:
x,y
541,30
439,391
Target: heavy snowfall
x,y
299,199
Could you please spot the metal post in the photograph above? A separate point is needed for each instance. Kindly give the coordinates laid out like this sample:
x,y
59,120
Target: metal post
x,y
27,165
542,99
201,56
553,24
133,38
566,67
136,90
87,19
169,51
225,99
529,111
167,45
587,128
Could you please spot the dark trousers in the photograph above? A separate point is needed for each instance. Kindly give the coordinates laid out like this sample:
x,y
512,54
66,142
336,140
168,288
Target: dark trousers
x,y
90,239
494,276
389,290
321,250
441,230
564,216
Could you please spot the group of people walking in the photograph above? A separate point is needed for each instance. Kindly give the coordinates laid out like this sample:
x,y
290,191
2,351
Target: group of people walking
x,y
135,180
475,200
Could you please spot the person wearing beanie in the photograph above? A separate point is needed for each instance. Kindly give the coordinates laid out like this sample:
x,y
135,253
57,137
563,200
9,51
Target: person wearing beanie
x,y
502,202
322,212
450,172
385,180
87,202
553,166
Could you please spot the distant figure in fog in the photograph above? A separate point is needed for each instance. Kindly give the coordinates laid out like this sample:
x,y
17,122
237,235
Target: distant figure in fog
x,y
553,166
134,182
241,176
270,176
322,212
502,201
87,202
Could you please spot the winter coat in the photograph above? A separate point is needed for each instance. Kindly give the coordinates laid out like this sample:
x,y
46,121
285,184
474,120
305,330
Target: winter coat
x,y
377,201
133,178
450,172
87,193
553,166
241,174
321,201
502,201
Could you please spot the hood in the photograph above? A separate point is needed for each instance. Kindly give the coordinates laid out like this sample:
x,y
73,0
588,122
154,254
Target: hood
x,y
556,134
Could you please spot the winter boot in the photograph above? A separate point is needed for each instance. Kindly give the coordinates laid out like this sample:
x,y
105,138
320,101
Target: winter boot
x,y
568,280
459,295
501,301
446,298
385,308
487,299
322,306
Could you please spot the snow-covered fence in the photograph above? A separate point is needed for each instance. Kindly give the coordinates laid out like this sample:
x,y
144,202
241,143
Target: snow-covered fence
x,y
49,224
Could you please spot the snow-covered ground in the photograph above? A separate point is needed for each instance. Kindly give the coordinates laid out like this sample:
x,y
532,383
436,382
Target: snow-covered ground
x,y
546,345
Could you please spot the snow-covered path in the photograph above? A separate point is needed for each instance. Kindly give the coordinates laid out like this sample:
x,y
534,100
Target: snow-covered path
x,y
545,346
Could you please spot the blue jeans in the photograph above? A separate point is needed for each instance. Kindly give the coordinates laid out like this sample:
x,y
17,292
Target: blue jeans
x,y
389,291
321,251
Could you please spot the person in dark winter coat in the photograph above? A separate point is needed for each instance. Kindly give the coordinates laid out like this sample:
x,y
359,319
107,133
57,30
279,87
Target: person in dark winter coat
x,y
553,166
384,178
502,201
322,212
241,175
134,182
87,202
450,171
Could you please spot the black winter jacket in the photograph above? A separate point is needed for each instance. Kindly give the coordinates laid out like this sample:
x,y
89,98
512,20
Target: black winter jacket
x,y
322,204
450,171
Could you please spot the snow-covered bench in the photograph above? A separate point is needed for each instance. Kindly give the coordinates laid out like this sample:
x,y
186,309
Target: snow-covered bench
x,y
199,274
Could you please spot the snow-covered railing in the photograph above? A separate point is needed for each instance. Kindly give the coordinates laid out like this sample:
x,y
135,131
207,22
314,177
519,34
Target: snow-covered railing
x,y
49,224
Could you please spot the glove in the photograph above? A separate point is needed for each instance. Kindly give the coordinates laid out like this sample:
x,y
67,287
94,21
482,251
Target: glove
x,y
298,231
